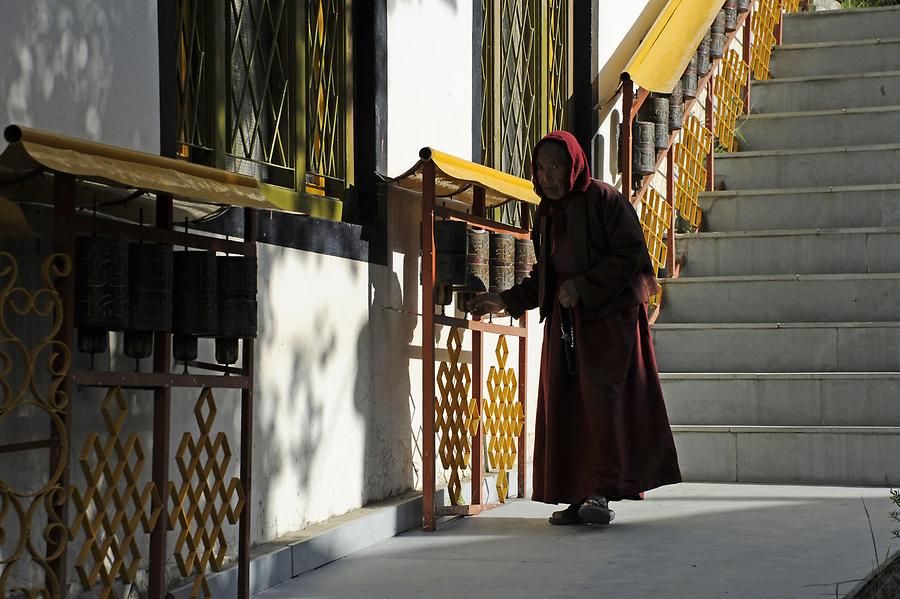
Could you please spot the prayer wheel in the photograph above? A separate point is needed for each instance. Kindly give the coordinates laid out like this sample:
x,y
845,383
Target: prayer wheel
x,y
502,263
730,9
477,260
443,295
743,6
195,310
703,62
101,291
524,258
450,252
149,296
236,285
643,152
689,79
659,116
676,107
717,36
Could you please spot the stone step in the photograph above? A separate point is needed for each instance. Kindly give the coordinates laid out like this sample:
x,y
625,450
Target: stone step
x,y
825,92
811,208
841,25
782,298
808,454
825,251
783,399
835,58
814,167
820,128
778,347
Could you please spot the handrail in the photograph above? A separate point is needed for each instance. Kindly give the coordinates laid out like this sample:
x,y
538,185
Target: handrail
x,y
722,94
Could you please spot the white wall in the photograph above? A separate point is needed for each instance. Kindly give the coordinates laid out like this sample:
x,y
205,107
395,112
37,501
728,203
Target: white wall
x,y
87,68
429,79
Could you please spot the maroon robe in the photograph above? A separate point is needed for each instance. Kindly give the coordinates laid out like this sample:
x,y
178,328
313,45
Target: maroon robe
x,y
602,430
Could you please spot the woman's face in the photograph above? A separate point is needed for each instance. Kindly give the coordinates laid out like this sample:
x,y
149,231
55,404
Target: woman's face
x,y
552,170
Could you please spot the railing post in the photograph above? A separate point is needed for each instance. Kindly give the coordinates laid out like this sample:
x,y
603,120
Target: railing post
x,y
627,105
710,126
670,199
745,54
478,381
428,466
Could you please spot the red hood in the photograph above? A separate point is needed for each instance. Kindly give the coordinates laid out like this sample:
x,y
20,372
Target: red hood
x,y
580,173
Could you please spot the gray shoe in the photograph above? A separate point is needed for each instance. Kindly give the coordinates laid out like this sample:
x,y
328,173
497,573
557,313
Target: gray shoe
x,y
566,516
595,510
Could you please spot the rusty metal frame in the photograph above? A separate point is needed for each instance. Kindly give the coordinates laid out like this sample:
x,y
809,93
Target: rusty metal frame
x,y
66,223
430,511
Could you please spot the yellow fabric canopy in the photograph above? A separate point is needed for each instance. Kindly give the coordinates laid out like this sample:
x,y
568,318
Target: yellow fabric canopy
x,y
198,190
456,178
661,58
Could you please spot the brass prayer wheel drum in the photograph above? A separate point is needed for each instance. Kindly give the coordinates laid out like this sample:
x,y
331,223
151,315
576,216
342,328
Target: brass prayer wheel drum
x,y
731,13
502,263
477,260
237,312
643,152
194,308
689,79
703,61
676,107
524,259
717,36
450,248
443,295
743,6
149,296
658,113
101,290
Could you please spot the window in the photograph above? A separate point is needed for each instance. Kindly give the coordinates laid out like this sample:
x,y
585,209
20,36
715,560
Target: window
x,y
262,92
525,82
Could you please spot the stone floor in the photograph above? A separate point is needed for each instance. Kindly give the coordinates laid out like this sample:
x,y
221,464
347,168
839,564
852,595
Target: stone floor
x,y
690,540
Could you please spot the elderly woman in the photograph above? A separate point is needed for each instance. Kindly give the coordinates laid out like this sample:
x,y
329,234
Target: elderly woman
x,y
601,433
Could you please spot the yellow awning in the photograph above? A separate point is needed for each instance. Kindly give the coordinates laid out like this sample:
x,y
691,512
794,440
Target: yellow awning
x,y
198,190
456,178
661,58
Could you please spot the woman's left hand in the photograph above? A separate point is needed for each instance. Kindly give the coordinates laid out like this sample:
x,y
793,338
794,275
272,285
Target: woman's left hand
x,y
568,294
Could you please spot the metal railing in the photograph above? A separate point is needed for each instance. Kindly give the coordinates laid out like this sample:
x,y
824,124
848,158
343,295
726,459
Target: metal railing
x,y
685,166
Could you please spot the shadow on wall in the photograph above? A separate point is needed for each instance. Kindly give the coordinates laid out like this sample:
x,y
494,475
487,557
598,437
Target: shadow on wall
x,y
88,69
392,5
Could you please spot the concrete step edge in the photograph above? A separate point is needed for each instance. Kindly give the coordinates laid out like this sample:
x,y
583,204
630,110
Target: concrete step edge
x,y
788,233
786,430
762,116
749,193
774,326
798,278
807,151
775,376
813,78
875,41
838,14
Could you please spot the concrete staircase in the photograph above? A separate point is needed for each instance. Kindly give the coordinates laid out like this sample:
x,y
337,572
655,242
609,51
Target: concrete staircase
x,y
779,347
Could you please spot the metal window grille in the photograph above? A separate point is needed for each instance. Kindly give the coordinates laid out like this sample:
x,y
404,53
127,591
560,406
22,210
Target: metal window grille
x,y
194,128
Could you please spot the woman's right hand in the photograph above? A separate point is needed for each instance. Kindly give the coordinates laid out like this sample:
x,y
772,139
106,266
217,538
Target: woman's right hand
x,y
486,303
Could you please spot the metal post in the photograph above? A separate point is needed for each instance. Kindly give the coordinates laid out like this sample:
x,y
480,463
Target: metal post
x,y
710,125
478,381
63,243
627,117
523,399
248,356
162,408
670,198
745,52
428,345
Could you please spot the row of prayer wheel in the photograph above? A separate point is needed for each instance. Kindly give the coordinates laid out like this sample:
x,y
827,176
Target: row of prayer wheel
x,y
662,114
472,260
145,288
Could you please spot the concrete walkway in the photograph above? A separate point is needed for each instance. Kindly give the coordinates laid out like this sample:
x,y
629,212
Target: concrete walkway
x,y
691,540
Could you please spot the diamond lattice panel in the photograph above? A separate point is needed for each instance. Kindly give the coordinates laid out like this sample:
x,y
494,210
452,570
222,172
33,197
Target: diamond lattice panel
x,y
261,42
503,418
325,91
192,111
455,416
113,510
690,169
729,87
763,26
